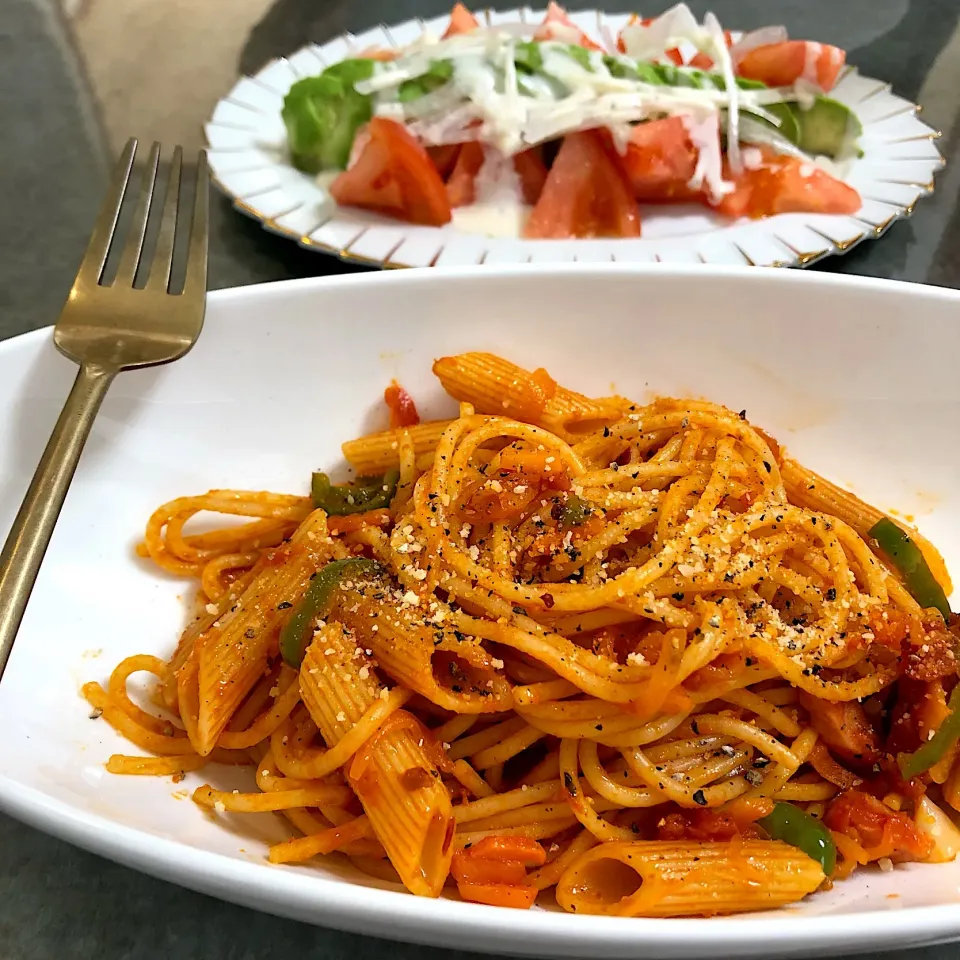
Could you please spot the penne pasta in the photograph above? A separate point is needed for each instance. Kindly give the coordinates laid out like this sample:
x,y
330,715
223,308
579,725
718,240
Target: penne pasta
x,y
232,653
683,879
493,385
437,661
392,773
379,452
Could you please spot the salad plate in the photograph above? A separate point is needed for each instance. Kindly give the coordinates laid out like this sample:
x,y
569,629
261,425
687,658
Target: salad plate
x,y
892,166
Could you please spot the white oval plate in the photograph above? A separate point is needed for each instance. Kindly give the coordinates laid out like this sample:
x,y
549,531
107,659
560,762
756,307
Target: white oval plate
x,y
261,402
248,158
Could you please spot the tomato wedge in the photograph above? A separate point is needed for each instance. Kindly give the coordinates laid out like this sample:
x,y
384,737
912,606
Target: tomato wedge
x,y
469,158
394,175
587,194
787,185
461,185
461,21
444,158
781,64
532,172
660,161
558,26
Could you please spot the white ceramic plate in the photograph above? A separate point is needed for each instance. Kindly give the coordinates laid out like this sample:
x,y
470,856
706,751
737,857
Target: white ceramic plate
x,y
248,159
283,373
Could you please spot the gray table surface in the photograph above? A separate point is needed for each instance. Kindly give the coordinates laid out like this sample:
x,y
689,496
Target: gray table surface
x,y
56,901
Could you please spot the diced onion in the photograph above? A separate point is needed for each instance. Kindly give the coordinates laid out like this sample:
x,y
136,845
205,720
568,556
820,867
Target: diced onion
x,y
941,829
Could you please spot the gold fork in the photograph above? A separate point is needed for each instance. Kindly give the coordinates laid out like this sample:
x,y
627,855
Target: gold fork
x,y
106,329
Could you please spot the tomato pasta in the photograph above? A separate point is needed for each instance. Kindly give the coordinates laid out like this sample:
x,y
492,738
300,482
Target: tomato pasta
x,y
635,653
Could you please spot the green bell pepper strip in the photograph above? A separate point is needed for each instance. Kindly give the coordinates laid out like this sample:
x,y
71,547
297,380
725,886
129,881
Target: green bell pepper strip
x,y
906,556
297,631
799,829
932,752
368,493
575,511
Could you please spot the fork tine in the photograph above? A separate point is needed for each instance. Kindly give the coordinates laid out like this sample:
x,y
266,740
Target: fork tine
x,y
196,278
95,256
127,271
163,255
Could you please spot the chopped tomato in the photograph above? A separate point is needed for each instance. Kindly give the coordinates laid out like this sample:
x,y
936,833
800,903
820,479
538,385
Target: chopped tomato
x,y
461,187
393,174
494,871
558,26
587,194
718,673
660,161
532,172
843,727
521,849
781,64
882,832
547,385
617,641
737,819
510,485
890,628
357,521
461,21
904,733
499,894
466,869
786,185
739,504
674,54
444,158
934,657
403,411
504,496
531,464
555,542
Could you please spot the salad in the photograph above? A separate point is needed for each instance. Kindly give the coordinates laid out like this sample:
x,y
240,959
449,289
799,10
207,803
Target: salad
x,y
576,135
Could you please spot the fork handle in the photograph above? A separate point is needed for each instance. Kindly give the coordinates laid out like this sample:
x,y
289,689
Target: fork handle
x,y
31,531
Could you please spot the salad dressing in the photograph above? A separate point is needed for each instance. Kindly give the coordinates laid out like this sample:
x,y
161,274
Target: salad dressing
x,y
498,210
810,60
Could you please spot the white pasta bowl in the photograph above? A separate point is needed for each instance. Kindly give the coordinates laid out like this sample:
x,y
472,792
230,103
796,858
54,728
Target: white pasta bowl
x,y
856,377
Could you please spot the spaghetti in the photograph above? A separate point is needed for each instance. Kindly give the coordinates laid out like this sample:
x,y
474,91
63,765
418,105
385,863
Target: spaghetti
x,y
632,653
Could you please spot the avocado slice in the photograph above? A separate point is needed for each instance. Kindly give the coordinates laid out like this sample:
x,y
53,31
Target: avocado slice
x,y
789,124
827,128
